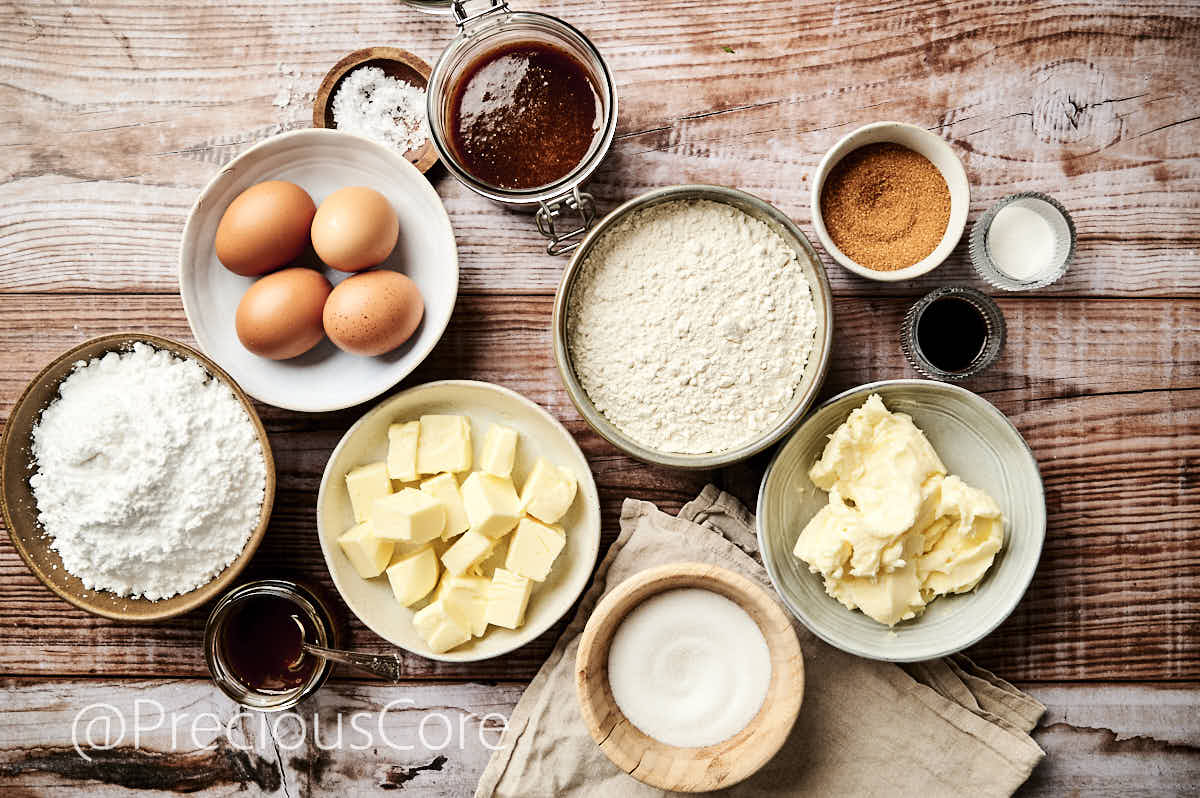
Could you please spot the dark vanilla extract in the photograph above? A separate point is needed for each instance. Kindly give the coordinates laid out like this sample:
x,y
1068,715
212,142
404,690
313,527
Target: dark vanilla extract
x,y
260,641
951,333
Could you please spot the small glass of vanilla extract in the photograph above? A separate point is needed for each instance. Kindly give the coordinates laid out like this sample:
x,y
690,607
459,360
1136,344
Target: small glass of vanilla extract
x,y
252,644
952,333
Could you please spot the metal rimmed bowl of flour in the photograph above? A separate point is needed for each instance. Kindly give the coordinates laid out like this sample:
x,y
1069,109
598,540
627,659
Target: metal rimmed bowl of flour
x,y
692,327
215,429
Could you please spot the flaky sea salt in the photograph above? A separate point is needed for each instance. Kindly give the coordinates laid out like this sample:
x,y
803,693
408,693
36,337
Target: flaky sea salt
x,y
378,107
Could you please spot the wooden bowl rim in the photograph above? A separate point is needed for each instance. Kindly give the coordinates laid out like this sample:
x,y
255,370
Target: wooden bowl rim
x,y
754,745
184,602
426,155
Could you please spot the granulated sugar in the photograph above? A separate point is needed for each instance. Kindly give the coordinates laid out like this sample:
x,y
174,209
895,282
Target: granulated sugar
x,y
150,476
690,325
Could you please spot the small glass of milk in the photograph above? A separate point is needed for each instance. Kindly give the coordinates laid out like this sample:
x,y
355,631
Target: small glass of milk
x,y
1024,241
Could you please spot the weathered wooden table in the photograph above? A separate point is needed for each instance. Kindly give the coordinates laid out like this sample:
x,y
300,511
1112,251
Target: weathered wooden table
x,y
116,113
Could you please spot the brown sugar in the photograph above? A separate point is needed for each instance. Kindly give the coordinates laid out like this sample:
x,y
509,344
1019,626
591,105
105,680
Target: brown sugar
x,y
885,206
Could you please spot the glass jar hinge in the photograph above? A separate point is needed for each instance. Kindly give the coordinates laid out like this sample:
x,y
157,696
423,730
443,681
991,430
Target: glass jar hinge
x,y
553,213
464,18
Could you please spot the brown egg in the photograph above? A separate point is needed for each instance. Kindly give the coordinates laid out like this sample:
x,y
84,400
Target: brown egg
x,y
280,315
373,312
354,229
265,226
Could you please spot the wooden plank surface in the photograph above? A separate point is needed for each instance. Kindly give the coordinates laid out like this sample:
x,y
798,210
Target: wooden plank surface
x,y
1106,740
117,114
1106,392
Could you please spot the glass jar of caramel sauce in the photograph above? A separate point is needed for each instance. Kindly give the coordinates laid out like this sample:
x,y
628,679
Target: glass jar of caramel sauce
x,y
522,110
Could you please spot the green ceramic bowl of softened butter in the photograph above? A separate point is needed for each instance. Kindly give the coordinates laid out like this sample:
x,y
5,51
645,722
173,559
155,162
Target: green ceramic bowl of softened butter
x,y
976,442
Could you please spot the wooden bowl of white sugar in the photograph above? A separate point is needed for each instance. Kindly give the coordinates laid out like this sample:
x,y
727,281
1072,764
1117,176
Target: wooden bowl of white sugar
x,y
689,677
22,515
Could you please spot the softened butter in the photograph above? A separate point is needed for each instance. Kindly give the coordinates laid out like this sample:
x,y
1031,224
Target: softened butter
x,y
898,531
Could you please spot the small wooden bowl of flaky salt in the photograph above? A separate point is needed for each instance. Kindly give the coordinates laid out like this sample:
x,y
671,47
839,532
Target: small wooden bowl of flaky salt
x,y
689,677
379,93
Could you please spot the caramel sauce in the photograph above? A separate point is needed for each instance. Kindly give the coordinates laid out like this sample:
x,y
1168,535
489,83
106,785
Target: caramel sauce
x,y
523,115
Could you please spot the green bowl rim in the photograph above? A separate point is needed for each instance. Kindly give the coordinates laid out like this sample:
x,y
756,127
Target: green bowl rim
x,y
768,563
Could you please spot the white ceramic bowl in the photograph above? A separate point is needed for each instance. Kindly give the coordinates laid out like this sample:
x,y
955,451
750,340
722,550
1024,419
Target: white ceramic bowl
x,y
541,435
320,162
976,442
920,140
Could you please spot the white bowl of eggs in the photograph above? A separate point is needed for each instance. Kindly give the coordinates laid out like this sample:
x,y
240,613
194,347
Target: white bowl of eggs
x,y
319,269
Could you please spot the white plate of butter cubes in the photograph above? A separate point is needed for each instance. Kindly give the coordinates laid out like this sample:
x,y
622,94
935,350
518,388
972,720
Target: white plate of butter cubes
x,y
458,520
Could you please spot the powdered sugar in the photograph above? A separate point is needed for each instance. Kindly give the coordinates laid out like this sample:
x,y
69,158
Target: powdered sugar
x,y
150,476
690,325
378,107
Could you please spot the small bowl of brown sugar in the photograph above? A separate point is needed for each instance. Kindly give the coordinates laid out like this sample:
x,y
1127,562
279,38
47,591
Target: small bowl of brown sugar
x,y
890,201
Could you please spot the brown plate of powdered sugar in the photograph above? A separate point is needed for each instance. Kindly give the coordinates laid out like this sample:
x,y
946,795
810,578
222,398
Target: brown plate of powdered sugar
x,y
890,201
21,511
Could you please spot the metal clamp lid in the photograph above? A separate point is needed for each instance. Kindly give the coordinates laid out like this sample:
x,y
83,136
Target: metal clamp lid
x,y
551,212
464,17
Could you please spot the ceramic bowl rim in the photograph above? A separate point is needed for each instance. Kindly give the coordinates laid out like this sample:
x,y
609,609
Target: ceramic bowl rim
x,y
954,229
1010,603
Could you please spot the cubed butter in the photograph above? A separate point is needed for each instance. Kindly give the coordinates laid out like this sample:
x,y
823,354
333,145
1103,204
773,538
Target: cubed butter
x,y
413,575
465,598
508,596
365,484
444,488
444,444
438,628
493,508
533,548
499,451
410,515
470,549
402,451
548,491
368,553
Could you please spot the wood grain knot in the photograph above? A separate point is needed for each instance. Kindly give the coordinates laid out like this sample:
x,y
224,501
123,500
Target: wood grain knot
x,y
1073,106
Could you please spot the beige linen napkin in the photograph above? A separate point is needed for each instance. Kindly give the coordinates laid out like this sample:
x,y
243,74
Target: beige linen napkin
x,y
939,728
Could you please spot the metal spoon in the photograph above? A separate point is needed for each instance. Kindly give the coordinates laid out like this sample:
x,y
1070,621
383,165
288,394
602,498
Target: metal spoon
x,y
389,666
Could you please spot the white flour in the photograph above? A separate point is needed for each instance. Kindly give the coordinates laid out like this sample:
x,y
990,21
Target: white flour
x,y
689,326
150,476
